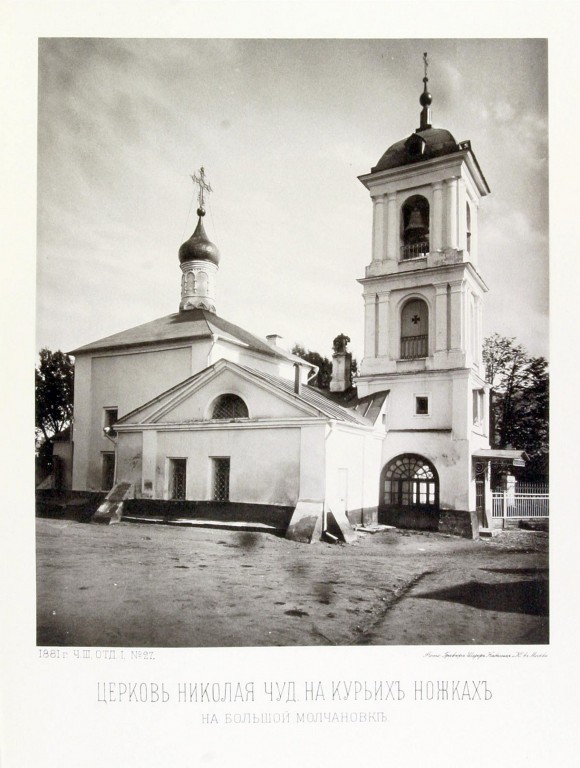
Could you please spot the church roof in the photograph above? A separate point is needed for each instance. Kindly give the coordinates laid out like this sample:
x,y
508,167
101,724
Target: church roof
x,y
314,397
189,325
422,145
308,395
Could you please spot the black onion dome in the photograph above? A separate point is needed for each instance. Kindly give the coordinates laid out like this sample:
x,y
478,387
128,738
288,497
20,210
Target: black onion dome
x,y
199,247
424,144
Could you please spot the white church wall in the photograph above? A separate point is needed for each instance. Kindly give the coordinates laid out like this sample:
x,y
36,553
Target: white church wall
x,y
81,421
130,379
264,463
352,455
451,458
402,404
130,460
122,381
236,353
313,462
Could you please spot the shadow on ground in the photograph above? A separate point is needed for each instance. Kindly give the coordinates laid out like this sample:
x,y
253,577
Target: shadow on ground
x,y
528,597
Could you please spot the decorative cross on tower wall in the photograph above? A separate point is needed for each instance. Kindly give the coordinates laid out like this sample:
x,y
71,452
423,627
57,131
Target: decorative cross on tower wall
x,y
415,319
204,186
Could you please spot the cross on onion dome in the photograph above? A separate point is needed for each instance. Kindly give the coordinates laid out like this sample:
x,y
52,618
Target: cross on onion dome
x,y
204,186
415,319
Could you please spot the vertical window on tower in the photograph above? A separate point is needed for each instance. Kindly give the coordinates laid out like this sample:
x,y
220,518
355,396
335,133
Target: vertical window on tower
x,y
478,402
415,228
414,330
468,222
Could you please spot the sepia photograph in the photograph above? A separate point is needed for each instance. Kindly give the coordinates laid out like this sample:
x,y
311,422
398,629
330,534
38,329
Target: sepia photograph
x,y
297,283
292,342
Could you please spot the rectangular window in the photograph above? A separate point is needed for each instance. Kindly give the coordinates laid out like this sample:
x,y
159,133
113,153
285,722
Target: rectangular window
x,y
177,479
110,417
478,406
107,470
421,405
221,479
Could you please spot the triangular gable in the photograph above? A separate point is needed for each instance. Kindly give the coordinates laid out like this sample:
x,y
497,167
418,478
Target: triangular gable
x,y
171,405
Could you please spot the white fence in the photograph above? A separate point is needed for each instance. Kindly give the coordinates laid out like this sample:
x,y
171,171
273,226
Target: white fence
x,y
516,506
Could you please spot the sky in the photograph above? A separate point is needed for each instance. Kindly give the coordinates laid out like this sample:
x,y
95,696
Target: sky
x,y
283,127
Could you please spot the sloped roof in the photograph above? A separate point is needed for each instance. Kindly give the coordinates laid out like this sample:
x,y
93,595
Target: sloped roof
x,y
436,143
313,396
500,453
308,395
188,325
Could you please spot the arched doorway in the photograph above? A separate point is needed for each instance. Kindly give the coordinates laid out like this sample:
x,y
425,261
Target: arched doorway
x,y
409,493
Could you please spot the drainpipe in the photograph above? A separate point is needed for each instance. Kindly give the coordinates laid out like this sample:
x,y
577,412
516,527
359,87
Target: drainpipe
x,y
312,374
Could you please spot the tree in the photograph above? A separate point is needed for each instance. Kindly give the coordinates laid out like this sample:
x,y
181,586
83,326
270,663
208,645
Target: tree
x,y
519,401
323,364
54,381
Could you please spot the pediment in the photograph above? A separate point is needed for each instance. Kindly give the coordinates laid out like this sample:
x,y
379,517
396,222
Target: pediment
x,y
192,401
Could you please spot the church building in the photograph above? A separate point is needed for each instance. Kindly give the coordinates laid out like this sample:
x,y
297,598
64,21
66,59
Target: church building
x,y
192,408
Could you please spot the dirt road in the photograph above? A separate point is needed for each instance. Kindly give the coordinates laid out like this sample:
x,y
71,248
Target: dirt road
x,y
134,585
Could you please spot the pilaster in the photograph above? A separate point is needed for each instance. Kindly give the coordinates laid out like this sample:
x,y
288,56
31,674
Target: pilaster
x,y
378,227
369,300
451,185
392,228
383,330
437,217
441,338
457,316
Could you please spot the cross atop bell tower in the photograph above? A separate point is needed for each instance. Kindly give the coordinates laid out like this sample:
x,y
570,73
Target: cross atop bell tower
x,y
425,99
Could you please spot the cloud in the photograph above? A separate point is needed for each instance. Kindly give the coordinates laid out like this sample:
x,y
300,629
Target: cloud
x,y
503,112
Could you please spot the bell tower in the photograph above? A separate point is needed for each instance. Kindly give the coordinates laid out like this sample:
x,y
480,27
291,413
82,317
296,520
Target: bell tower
x,y
423,298
426,190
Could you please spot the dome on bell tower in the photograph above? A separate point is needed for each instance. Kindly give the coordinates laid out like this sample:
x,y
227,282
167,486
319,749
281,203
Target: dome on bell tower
x,y
425,143
199,247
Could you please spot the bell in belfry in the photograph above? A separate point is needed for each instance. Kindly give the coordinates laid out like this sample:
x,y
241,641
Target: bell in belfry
x,y
416,228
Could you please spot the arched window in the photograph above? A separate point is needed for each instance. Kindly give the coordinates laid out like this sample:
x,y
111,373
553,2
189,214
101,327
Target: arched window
x,y
410,481
415,227
201,283
229,407
414,330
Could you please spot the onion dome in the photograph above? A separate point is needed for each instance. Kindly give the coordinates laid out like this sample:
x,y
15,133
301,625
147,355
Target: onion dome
x,y
199,247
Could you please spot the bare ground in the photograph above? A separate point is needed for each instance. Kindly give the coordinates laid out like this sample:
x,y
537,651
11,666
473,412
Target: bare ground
x,y
134,585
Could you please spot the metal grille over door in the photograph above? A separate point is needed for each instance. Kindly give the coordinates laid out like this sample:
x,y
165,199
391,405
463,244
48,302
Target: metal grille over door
x,y
177,478
221,479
